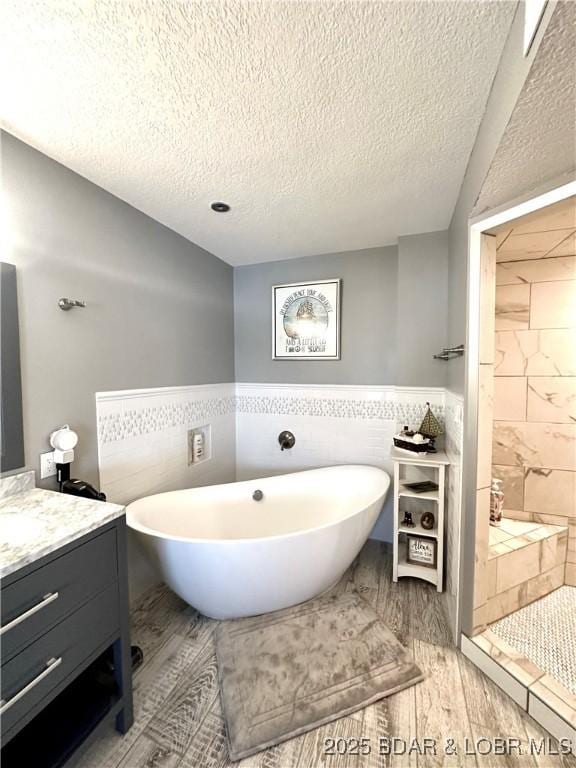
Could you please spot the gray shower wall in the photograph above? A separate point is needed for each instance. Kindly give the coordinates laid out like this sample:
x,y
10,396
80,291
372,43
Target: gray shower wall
x,y
159,308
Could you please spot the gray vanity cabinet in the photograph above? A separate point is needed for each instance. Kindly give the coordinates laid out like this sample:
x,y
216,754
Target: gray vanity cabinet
x,y
62,615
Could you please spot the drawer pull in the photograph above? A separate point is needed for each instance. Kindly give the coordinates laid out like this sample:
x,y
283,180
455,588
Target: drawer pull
x,y
51,665
46,600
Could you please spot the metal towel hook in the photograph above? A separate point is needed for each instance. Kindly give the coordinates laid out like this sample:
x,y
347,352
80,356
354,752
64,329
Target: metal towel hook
x,y
450,353
66,304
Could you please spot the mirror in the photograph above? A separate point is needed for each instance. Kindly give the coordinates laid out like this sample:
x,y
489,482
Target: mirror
x,y
12,433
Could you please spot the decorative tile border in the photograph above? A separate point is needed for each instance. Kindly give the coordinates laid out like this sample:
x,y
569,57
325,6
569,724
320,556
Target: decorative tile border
x,y
314,406
386,403
179,406
154,410
134,423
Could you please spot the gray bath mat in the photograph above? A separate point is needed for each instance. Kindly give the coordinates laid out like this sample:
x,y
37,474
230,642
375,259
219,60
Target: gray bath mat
x,y
285,673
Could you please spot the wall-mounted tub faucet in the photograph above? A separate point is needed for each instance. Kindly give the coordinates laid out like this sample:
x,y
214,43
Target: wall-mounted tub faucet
x,y
286,440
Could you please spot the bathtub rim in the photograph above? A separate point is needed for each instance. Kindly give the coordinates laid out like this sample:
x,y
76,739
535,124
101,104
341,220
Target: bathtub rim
x,y
253,539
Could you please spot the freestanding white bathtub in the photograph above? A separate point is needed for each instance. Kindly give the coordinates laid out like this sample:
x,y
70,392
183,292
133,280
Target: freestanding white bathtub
x,y
228,555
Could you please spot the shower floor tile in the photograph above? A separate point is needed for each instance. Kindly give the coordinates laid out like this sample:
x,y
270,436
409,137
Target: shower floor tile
x,y
545,633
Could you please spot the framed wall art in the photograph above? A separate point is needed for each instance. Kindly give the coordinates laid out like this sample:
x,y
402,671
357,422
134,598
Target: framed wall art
x,y
306,321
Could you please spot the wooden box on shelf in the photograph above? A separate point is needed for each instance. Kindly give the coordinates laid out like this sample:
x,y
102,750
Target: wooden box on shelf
x,y
409,468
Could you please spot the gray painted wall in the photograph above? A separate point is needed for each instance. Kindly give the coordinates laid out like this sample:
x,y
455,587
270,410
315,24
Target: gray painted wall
x,y
422,320
394,315
11,426
159,309
368,318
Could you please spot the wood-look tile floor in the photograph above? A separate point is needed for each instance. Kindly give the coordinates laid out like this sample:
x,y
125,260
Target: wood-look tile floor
x,y
178,718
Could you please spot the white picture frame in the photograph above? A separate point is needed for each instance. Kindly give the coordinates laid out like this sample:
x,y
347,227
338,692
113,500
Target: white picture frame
x,y
306,320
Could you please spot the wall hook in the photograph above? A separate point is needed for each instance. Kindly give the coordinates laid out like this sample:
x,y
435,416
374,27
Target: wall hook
x,y
66,304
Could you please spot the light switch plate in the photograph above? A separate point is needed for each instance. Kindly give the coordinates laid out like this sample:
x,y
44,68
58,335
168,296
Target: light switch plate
x,y
47,465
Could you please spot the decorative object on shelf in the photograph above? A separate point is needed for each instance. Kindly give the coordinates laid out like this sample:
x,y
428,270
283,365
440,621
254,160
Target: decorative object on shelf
x,y
427,520
423,486
407,521
306,321
496,502
421,551
412,442
430,427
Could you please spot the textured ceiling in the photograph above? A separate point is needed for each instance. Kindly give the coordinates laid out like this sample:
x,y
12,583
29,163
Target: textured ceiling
x,y
327,126
539,143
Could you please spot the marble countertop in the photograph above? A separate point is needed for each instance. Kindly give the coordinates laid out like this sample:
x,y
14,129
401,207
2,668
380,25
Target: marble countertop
x,y
35,522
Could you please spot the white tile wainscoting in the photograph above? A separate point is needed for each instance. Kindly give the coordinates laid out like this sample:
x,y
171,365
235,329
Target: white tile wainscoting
x,y
142,440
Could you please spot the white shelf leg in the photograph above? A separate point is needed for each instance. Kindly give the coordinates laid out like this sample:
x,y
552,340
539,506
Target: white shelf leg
x,y
396,522
441,527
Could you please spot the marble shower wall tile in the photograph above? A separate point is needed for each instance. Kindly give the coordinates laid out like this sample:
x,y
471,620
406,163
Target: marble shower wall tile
x,y
513,308
552,217
571,550
552,399
518,566
550,491
510,398
532,245
522,594
552,305
502,235
487,298
536,270
512,485
534,399
525,444
485,419
482,547
535,353
566,248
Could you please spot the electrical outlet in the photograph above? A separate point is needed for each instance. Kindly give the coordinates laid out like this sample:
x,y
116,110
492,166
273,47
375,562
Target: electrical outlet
x,y
47,465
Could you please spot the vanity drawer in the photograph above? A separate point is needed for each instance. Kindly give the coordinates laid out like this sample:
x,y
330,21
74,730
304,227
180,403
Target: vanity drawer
x,y
34,673
36,602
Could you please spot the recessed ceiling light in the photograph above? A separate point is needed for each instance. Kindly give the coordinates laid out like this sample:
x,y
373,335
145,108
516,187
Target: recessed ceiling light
x,y
220,207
